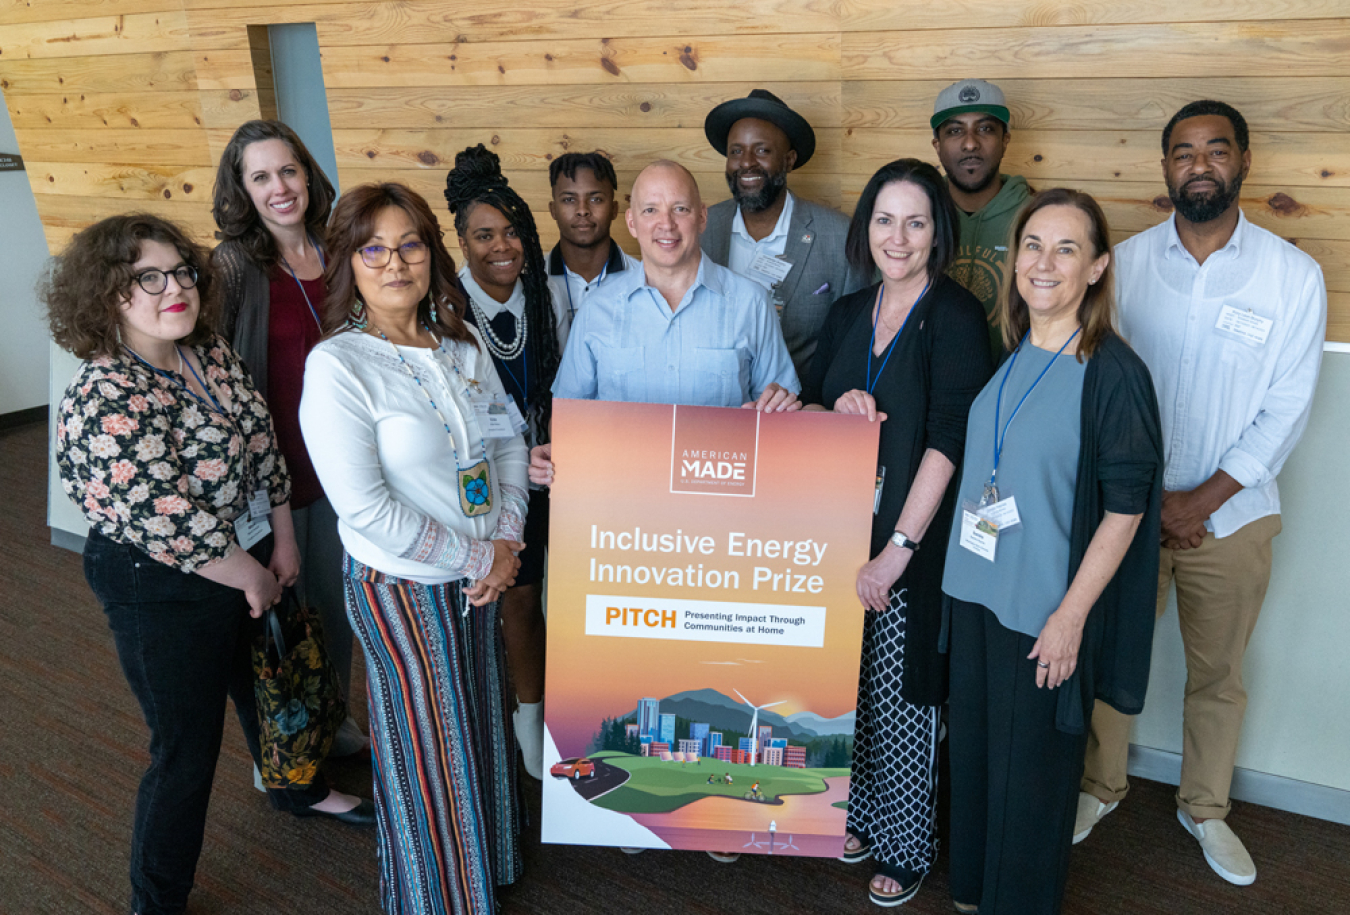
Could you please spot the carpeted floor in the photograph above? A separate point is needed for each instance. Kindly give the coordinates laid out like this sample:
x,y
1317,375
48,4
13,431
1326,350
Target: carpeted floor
x,y
72,747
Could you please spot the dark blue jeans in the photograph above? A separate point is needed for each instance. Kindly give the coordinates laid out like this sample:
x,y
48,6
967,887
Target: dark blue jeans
x,y
184,644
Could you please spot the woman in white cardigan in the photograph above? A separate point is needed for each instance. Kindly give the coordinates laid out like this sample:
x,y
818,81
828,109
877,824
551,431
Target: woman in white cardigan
x,y
406,422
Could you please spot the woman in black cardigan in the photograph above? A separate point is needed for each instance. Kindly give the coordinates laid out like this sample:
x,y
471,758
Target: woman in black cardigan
x,y
911,351
1052,565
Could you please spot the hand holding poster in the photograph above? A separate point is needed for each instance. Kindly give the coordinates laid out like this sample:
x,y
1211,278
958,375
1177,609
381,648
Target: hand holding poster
x,y
704,628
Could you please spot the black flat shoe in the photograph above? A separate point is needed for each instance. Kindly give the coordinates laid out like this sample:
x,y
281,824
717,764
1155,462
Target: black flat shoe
x,y
363,814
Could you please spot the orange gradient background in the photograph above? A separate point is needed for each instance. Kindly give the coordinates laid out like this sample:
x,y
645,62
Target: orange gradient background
x,y
816,479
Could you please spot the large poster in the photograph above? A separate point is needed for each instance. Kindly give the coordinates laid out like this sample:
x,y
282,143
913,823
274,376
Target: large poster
x,y
703,628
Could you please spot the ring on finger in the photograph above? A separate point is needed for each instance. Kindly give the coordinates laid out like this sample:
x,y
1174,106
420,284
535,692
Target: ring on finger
x,y
1042,665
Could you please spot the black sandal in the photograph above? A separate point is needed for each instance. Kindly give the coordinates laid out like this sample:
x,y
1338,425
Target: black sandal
x,y
901,876
861,853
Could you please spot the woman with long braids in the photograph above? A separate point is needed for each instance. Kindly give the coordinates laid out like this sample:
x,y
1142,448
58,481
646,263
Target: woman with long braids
x,y
524,327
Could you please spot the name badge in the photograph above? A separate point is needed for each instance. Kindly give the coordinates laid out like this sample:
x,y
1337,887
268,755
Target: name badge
x,y
1002,513
259,504
1244,324
495,419
775,268
514,412
979,535
251,527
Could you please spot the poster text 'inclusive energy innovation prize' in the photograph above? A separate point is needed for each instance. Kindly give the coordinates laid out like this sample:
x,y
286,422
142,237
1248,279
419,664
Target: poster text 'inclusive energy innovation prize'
x,y
703,627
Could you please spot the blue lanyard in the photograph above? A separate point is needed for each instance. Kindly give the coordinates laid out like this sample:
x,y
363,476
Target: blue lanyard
x,y
178,380
324,265
998,404
567,284
872,382
524,370
214,402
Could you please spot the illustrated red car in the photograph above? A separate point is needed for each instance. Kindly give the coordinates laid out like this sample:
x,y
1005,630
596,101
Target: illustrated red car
x,y
573,768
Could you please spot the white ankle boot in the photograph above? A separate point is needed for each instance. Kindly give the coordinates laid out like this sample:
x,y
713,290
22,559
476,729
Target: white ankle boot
x,y
529,723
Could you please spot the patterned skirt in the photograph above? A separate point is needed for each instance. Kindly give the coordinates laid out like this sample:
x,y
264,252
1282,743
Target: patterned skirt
x,y
892,804
444,755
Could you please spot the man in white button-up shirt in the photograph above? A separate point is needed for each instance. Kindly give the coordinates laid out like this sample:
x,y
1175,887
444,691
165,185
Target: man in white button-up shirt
x,y
1230,320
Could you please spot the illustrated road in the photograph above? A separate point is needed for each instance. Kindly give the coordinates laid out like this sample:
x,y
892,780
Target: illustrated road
x,y
605,779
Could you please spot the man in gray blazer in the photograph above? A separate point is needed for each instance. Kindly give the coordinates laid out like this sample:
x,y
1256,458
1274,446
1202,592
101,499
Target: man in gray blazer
x,y
790,246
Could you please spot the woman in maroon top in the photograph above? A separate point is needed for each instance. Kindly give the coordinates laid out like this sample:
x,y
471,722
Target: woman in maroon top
x,y
271,205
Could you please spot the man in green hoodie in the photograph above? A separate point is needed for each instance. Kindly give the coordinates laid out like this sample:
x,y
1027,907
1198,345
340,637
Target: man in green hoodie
x,y
970,134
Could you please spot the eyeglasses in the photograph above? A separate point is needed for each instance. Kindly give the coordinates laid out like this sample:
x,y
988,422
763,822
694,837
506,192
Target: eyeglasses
x,y
156,281
376,256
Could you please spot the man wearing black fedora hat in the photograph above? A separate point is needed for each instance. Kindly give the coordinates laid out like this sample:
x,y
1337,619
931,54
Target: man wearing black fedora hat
x,y
790,246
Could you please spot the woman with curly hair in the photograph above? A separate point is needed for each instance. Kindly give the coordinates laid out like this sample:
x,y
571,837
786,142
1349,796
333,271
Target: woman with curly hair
x,y
396,414
524,327
271,207
168,449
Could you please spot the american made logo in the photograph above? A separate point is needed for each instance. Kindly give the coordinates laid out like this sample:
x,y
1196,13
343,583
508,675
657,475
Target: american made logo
x,y
713,451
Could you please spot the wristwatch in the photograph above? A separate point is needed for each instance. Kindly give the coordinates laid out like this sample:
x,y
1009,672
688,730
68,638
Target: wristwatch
x,y
903,541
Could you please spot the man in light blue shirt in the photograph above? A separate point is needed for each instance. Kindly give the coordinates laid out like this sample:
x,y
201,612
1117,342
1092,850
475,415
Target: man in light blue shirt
x,y
681,330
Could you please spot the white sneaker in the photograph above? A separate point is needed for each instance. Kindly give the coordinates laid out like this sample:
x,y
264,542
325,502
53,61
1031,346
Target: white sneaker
x,y
1090,813
528,719
1224,851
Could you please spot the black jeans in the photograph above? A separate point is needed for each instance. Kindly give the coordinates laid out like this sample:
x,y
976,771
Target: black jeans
x,y
184,644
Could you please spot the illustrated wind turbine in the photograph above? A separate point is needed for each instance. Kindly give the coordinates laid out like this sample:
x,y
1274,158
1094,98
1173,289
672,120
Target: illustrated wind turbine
x,y
754,722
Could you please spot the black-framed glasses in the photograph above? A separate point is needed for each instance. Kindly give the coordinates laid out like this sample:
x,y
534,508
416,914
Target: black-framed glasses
x,y
377,256
156,281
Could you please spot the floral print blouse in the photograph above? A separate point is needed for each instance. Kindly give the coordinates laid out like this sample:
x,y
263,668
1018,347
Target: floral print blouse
x,y
152,466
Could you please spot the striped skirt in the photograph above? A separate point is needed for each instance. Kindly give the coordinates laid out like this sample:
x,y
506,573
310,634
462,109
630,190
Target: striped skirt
x,y
444,755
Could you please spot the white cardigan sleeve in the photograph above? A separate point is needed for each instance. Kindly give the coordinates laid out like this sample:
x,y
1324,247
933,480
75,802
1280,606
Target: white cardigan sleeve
x,y
337,419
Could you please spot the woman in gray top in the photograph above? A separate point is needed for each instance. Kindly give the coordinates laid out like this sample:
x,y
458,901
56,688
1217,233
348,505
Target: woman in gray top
x,y
1052,560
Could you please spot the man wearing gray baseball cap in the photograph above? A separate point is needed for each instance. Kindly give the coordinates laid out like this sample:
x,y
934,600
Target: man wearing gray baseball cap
x,y
970,133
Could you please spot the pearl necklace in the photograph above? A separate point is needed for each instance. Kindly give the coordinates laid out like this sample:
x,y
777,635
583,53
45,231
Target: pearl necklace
x,y
494,344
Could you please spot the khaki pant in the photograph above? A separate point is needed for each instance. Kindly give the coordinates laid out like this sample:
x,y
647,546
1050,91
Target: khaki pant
x,y
1220,587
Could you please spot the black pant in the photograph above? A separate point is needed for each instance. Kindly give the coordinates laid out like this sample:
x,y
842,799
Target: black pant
x,y
1014,776
183,643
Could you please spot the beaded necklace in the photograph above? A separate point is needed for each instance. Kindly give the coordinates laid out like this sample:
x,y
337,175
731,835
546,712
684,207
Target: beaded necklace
x,y
494,344
474,482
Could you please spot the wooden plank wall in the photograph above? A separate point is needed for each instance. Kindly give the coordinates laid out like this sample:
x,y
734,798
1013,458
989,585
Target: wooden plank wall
x,y
128,103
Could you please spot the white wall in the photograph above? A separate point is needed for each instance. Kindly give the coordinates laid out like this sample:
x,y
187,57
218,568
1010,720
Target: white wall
x,y
23,252
1297,673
